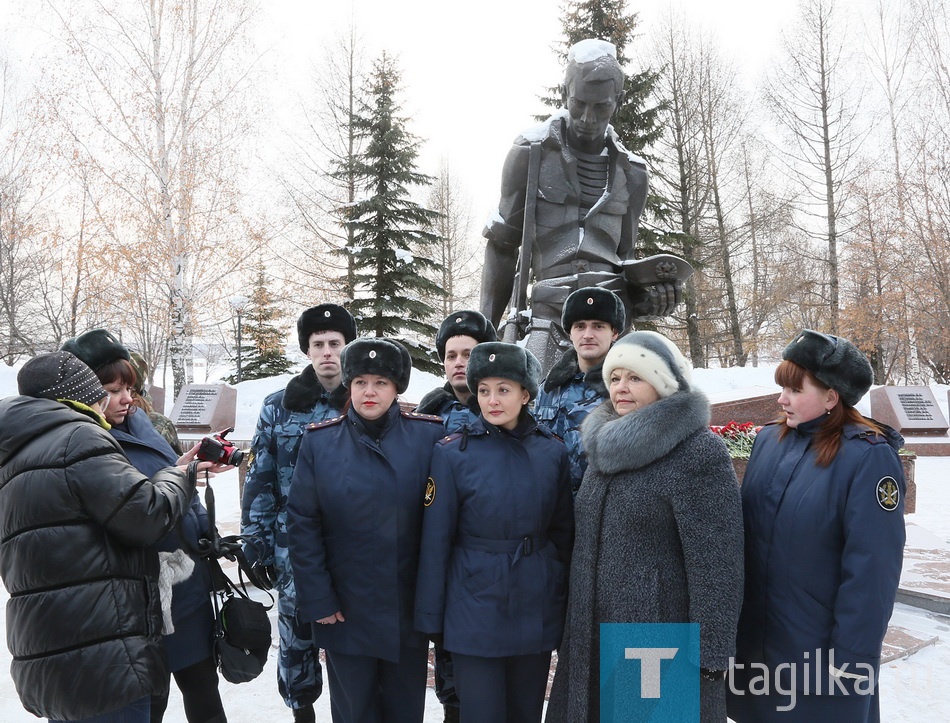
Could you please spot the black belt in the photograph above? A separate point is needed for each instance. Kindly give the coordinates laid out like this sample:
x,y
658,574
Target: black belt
x,y
526,545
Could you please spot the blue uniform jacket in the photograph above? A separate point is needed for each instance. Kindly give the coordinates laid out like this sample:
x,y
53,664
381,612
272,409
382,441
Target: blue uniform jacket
x,y
824,547
354,523
497,537
148,451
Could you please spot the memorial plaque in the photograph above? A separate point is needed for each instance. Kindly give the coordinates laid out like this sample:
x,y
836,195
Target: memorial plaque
x,y
205,407
912,411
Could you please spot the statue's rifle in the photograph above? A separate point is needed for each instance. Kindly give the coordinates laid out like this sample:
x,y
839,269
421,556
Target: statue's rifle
x,y
516,320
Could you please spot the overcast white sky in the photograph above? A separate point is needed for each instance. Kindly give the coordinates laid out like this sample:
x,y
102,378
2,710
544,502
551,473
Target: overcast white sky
x,y
472,71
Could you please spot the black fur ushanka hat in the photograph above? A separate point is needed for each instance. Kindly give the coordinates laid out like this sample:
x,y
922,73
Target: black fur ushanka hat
x,y
325,317
835,362
376,355
505,361
96,347
464,323
594,303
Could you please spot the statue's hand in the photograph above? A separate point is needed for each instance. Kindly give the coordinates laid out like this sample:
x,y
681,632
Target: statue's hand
x,y
655,284
656,300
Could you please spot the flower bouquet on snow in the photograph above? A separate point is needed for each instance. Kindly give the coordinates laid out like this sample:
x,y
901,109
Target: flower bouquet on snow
x,y
738,438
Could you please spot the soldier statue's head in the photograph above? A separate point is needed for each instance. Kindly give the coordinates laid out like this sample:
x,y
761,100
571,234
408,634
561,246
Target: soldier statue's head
x,y
592,93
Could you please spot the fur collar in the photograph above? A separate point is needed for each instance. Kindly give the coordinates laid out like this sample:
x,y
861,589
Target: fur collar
x,y
432,402
617,444
566,368
304,391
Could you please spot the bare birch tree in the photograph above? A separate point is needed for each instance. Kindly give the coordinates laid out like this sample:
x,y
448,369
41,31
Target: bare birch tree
x,y
456,251
156,106
809,96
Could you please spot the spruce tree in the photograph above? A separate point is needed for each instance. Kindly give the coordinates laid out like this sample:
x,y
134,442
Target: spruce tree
x,y
392,236
637,121
262,349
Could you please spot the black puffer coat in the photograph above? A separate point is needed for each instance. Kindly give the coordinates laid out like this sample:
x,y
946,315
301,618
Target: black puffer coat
x,y
84,619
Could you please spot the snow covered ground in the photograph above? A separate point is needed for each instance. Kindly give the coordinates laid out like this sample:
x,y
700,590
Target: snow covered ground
x,y
913,690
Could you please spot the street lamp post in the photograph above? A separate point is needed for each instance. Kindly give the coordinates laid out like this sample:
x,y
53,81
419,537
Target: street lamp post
x,y
238,303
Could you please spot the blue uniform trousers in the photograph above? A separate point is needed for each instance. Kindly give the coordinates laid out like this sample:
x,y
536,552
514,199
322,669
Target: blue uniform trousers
x,y
364,689
501,690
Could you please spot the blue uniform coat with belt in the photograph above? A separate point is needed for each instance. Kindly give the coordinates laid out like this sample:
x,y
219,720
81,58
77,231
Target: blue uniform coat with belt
x,y
354,523
824,547
497,541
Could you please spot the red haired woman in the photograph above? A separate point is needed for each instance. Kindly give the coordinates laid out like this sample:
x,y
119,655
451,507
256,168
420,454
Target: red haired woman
x,y
823,508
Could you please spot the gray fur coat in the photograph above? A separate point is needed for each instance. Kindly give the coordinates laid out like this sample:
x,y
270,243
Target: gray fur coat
x,y
659,540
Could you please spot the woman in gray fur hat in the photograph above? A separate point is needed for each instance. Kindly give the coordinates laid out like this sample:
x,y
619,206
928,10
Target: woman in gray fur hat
x,y
823,501
659,531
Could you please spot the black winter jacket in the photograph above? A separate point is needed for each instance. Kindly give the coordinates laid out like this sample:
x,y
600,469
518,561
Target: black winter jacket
x,y
84,619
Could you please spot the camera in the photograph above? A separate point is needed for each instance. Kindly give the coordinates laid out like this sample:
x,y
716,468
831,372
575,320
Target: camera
x,y
218,449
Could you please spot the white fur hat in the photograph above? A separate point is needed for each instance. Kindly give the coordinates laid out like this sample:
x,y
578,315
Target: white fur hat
x,y
654,358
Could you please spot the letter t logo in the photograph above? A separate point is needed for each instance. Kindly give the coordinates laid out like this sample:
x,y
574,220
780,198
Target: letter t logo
x,y
649,667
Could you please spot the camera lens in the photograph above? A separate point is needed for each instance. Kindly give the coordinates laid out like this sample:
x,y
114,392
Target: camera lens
x,y
236,457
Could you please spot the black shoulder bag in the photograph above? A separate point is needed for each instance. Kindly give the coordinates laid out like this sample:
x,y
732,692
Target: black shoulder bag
x,y
242,629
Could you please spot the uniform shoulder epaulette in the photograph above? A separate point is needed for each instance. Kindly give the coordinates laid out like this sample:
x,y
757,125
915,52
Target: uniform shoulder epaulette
x,y
325,423
421,416
450,438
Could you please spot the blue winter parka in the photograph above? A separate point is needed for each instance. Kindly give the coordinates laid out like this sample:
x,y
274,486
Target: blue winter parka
x,y
354,519
824,547
497,538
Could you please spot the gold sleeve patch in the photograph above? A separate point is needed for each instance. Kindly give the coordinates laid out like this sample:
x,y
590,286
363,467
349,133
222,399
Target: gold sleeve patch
x,y
888,493
430,492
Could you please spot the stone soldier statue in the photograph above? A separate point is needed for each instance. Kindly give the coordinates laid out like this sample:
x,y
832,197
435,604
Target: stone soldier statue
x,y
571,200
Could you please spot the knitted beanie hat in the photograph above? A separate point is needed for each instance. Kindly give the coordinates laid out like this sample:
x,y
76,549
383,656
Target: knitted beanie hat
x,y
654,358
59,375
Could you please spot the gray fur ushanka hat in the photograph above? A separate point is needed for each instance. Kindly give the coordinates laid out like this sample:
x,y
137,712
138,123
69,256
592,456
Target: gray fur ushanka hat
x,y
57,376
325,317
376,355
464,323
594,303
504,361
834,361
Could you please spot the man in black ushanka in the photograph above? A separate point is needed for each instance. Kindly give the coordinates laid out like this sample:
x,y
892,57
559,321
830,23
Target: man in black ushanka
x,y
593,317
